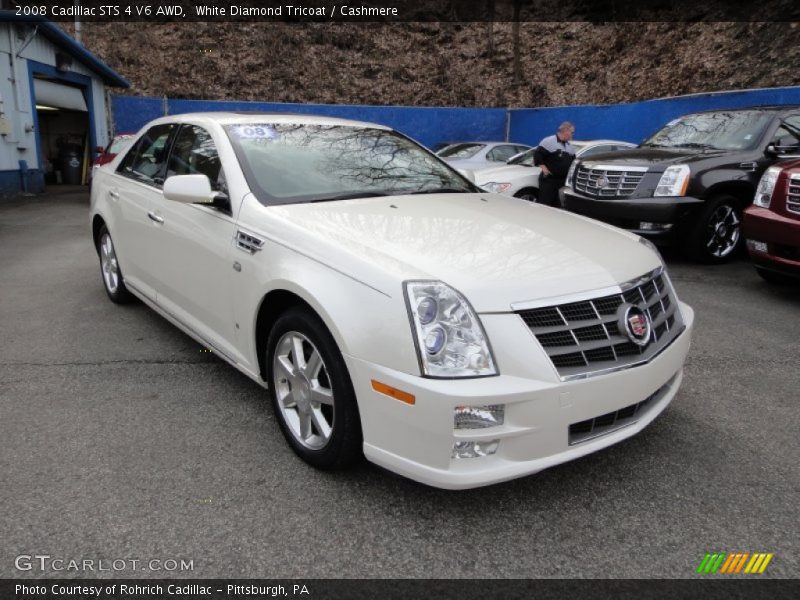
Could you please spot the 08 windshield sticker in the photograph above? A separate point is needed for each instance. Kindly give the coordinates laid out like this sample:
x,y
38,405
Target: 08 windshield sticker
x,y
260,133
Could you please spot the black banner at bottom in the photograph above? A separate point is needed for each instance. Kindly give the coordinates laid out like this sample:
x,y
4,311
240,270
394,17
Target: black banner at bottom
x,y
390,589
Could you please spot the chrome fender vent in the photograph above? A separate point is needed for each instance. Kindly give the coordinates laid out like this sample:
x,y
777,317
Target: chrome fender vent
x,y
247,242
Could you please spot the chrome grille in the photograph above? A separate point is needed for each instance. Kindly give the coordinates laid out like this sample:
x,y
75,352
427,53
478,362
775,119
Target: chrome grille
x,y
793,195
605,181
584,338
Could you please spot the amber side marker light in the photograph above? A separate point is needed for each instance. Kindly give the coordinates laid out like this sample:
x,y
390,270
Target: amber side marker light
x,y
393,392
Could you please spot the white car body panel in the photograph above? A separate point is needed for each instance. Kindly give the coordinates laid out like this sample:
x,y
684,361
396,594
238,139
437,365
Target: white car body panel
x,y
348,260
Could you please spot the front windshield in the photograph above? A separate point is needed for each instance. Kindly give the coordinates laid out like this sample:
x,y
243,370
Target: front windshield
x,y
724,130
287,163
461,150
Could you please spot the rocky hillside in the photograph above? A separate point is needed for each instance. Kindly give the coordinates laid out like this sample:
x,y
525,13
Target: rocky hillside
x,y
450,64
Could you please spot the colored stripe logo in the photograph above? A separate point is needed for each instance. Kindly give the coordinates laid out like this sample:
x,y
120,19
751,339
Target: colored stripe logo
x,y
734,563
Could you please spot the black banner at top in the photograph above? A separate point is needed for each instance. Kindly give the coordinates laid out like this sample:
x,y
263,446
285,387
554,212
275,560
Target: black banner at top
x,y
320,11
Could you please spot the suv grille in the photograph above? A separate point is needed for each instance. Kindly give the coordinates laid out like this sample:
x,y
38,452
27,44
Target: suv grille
x,y
606,182
584,338
793,195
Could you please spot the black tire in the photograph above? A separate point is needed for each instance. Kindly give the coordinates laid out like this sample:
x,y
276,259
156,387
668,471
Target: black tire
x,y
343,446
529,194
777,278
117,292
717,234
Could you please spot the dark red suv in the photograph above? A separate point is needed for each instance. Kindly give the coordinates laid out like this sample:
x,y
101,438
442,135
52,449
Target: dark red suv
x,y
772,224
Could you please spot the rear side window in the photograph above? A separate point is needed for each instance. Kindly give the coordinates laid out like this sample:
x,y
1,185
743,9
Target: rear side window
x,y
147,159
502,153
194,153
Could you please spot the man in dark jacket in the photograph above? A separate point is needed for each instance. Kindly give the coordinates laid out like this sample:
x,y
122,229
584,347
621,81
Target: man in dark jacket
x,y
554,155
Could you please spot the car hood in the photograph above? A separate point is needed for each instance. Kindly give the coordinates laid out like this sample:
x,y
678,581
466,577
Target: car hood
x,y
495,249
504,173
655,157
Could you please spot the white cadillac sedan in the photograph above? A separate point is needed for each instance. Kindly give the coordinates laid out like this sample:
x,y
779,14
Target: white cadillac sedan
x,y
390,307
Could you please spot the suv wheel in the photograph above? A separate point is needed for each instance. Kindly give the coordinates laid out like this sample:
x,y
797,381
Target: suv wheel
x,y
110,270
718,233
311,391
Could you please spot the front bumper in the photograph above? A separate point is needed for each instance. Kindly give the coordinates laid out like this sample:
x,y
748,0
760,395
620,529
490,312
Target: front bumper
x,y
673,214
417,440
781,235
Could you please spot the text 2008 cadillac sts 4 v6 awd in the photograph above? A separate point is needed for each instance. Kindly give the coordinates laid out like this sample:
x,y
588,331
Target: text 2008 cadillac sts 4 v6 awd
x,y
391,308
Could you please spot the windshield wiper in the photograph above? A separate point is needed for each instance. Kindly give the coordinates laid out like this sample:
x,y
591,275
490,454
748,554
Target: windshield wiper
x,y
695,145
348,196
442,190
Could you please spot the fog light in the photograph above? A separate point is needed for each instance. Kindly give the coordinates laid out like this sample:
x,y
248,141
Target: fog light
x,y
648,226
757,246
479,417
474,449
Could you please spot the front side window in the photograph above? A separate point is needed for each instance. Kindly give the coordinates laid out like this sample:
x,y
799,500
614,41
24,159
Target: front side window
x,y
194,153
724,130
287,163
146,160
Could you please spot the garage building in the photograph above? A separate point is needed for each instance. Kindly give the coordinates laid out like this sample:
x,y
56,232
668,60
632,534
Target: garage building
x,y
53,112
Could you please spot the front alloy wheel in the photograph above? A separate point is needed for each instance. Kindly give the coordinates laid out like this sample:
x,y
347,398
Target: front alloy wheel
x,y
311,391
723,231
303,390
717,233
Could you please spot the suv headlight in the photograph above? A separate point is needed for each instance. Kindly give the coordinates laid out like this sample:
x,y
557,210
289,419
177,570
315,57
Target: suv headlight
x,y
766,186
448,335
674,181
497,188
571,172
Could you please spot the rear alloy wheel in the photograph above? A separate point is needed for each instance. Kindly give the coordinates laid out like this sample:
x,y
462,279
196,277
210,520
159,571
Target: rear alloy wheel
x,y
529,194
718,233
109,268
311,391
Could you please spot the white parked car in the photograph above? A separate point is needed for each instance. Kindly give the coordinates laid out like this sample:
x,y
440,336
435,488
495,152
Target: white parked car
x,y
390,307
472,156
520,178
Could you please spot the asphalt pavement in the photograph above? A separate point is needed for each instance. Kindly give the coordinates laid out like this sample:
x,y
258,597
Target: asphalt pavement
x,y
121,440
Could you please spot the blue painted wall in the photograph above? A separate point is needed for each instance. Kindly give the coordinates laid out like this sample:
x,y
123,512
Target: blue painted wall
x,y
637,120
629,122
426,125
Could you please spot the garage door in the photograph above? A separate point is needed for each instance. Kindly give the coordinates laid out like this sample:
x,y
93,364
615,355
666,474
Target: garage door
x,y
57,95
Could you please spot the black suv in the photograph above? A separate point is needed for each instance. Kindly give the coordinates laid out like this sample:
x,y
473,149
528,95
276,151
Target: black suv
x,y
689,182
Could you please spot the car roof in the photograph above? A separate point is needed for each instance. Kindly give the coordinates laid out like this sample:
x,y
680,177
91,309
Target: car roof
x,y
233,118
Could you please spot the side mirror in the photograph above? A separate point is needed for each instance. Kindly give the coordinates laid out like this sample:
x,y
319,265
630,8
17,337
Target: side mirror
x,y
189,189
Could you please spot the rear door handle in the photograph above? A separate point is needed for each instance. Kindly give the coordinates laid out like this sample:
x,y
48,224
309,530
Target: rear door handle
x,y
113,194
154,217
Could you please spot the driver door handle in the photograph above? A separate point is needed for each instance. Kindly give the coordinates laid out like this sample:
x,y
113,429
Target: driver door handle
x,y
113,194
154,217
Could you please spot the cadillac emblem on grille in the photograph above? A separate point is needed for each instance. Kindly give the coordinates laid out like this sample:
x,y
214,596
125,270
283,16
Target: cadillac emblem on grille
x,y
635,323
601,182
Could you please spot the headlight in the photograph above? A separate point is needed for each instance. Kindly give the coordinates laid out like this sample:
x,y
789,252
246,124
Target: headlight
x,y
571,172
674,181
497,188
766,186
449,337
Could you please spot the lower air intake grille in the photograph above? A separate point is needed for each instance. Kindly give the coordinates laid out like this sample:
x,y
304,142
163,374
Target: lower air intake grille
x,y
590,429
589,337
